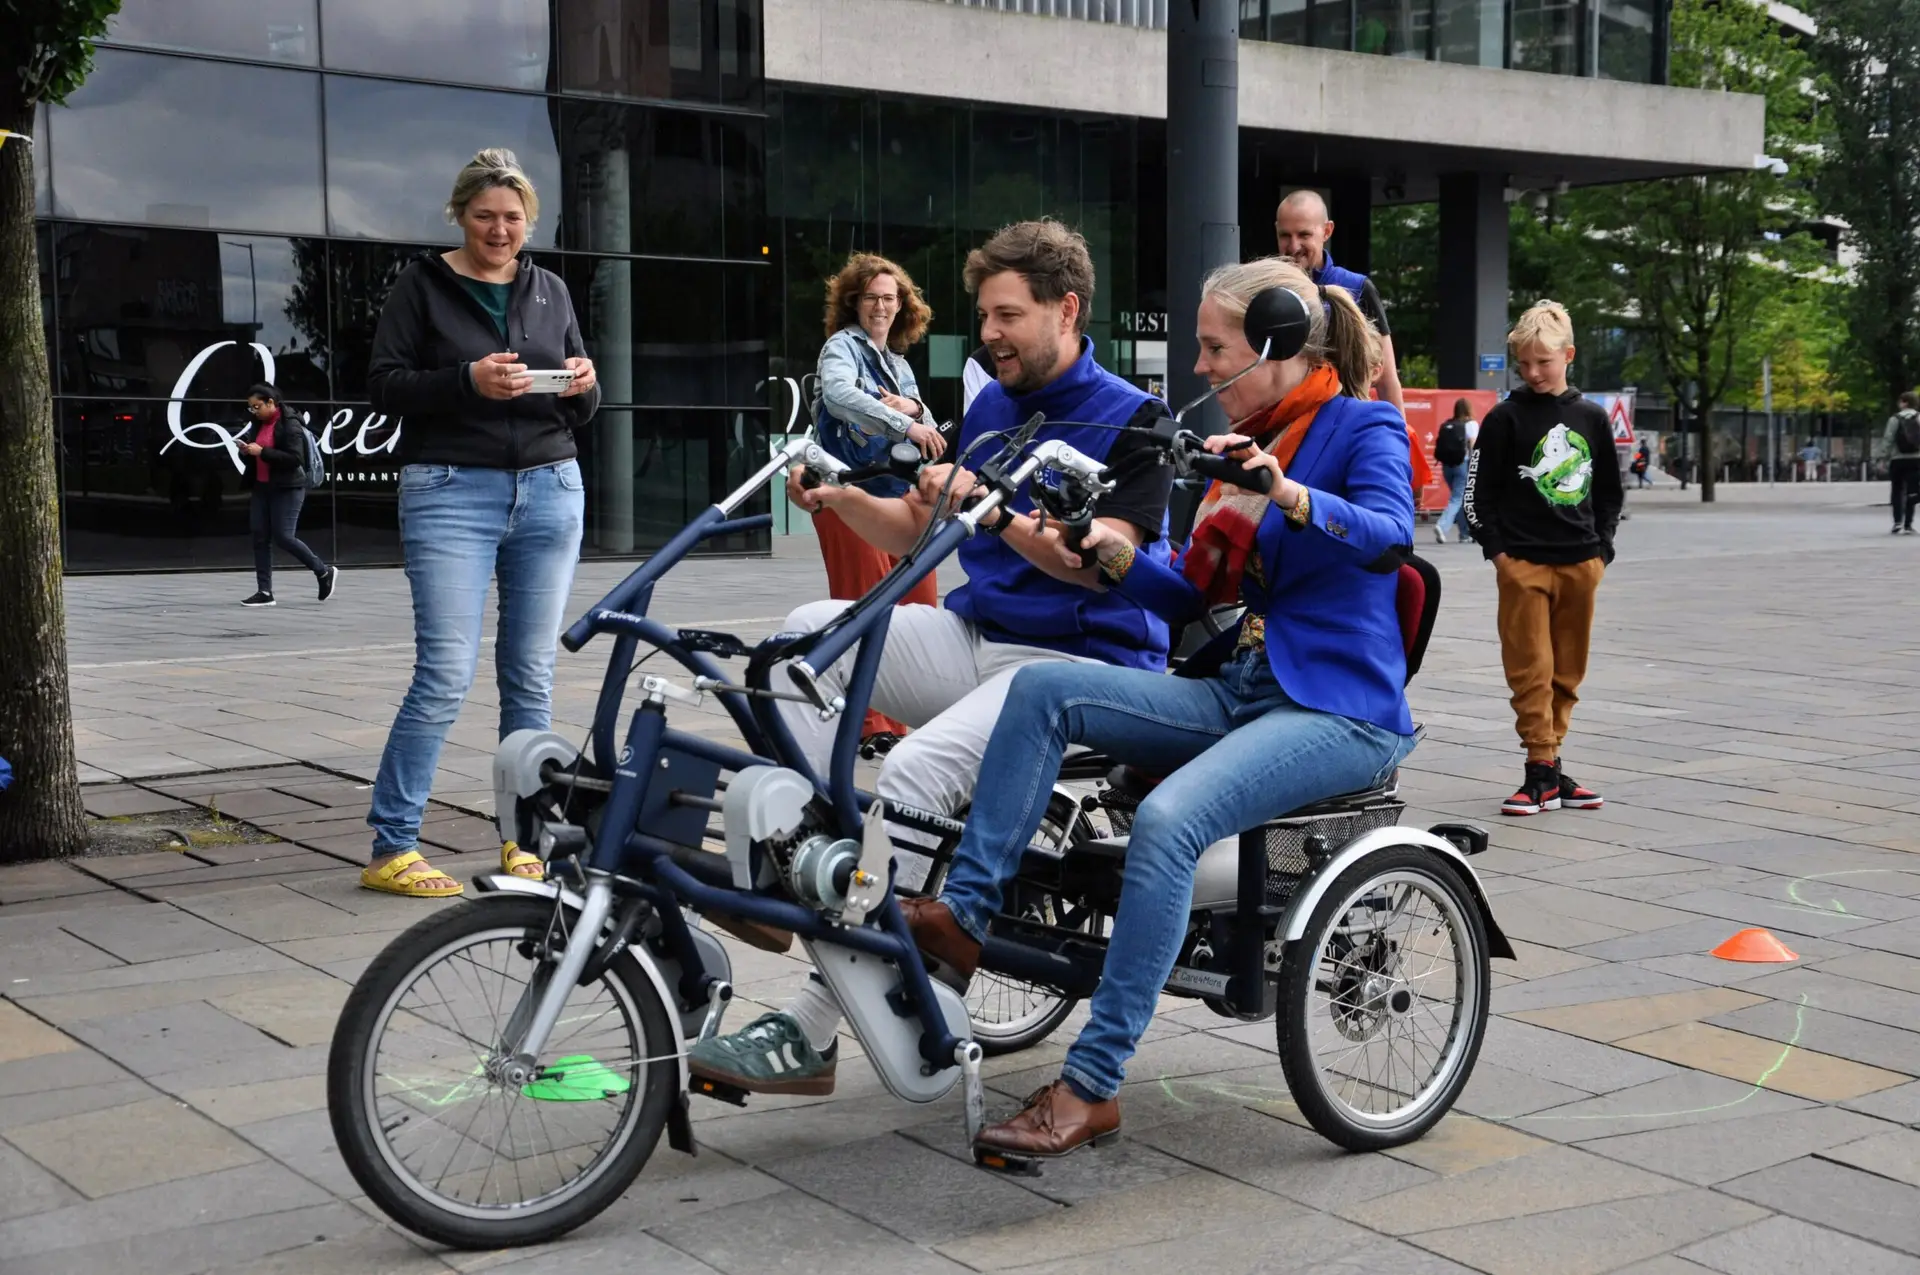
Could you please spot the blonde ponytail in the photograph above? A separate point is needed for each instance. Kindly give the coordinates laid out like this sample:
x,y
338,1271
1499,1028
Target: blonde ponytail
x,y
1352,345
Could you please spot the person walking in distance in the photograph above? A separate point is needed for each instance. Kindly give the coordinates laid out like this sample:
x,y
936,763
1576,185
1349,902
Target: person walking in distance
x,y
1450,448
1302,227
1543,499
868,400
279,449
1903,460
491,492
1642,462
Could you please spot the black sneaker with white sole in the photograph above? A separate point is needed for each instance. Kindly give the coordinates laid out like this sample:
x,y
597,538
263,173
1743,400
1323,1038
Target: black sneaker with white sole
x,y
1539,791
260,599
1576,796
329,581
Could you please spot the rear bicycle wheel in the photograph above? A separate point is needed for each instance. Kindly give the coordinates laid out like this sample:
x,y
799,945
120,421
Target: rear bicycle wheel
x,y
431,1124
1010,1014
1383,1001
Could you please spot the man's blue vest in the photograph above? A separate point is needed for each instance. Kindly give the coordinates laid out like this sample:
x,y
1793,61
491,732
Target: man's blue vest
x,y
1332,276
1009,598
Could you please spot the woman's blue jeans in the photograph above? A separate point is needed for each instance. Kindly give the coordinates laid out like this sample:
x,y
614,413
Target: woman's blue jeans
x,y
460,529
1236,752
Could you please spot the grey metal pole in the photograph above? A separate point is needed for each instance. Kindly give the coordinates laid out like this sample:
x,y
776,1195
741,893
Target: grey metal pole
x,y
1773,442
1203,176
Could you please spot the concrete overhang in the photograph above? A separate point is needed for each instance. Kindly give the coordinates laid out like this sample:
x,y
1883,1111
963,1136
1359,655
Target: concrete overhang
x,y
1403,121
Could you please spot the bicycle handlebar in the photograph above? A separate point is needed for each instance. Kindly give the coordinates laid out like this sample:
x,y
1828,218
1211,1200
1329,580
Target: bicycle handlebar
x,y
1226,470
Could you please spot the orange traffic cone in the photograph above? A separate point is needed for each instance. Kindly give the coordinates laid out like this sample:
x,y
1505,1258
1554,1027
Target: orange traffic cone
x,y
1755,945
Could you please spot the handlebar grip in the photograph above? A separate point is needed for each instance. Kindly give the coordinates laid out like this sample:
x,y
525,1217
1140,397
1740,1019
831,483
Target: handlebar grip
x,y
579,635
1230,471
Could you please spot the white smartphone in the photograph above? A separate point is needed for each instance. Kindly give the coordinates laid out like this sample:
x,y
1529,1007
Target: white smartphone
x,y
553,382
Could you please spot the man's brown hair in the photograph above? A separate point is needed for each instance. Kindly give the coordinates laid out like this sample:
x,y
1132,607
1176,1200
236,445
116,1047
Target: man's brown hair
x,y
1051,256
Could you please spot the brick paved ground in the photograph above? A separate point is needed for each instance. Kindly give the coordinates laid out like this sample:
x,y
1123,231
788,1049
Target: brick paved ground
x,y
1639,1106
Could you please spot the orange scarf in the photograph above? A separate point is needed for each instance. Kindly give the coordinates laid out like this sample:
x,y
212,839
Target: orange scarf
x,y
1226,534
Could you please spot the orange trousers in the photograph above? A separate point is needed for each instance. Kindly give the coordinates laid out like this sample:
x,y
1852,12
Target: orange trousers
x,y
1546,628
853,567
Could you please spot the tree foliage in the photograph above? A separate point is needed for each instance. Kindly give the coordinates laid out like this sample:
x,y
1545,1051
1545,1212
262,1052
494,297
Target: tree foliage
x,y
1868,54
46,48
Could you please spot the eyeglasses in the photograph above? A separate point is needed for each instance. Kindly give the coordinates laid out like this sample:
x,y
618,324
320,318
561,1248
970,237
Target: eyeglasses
x,y
873,299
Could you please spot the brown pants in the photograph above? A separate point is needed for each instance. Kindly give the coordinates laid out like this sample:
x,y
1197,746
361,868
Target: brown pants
x,y
853,567
1546,626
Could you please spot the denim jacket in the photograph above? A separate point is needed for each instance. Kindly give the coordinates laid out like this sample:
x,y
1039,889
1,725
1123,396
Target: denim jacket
x,y
847,364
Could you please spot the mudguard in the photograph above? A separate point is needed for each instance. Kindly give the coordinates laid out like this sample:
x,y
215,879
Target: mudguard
x,y
1293,925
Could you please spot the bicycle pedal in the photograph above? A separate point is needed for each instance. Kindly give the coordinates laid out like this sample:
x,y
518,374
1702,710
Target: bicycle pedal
x,y
1007,1162
717,1090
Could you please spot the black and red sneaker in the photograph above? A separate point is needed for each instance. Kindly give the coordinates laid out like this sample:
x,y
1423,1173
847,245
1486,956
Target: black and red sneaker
x,y
1576,796
1539,791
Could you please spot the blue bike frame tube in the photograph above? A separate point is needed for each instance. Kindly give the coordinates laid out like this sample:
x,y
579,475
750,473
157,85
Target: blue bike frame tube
x,y
631,775
606,713
835,642
613,685
893,942
629,594
846,741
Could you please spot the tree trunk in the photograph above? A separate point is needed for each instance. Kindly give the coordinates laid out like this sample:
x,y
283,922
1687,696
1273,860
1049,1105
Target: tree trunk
x,y
40,815
1703,426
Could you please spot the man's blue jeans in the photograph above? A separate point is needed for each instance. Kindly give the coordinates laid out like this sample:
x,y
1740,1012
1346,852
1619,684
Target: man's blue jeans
x,y
460,529
1455,514
1237,752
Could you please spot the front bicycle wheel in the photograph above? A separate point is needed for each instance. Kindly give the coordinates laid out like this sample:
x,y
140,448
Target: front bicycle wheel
x,y
425,1110
1383,1001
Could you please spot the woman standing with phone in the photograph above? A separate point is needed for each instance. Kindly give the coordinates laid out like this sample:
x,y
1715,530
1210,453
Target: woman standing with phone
x,y
491,491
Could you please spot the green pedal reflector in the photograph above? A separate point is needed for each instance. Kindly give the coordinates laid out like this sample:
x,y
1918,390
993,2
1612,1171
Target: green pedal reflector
x,y
576,1079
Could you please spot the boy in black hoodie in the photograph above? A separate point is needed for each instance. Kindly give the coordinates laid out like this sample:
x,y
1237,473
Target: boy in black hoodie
x,y
1543,499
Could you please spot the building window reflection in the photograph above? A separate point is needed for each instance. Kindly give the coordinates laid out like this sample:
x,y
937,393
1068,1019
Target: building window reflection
x,y
393,150
644,179
1546,36
1625,30
500,43
691,50
178,141
1394,28
1470,32
270,30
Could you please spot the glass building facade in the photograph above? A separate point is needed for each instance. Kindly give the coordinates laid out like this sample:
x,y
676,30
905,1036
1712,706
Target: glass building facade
x,y
232,192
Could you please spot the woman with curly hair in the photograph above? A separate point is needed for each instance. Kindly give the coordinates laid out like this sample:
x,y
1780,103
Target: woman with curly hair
x,y
867,401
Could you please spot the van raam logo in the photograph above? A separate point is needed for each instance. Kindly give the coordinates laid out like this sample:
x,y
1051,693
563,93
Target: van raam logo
x,y
338,436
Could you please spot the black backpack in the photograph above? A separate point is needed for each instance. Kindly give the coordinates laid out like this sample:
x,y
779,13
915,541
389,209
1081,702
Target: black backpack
x,y
1906,435
1450,445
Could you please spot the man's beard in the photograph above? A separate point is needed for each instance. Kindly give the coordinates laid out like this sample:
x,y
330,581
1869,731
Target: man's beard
x,y
1035,367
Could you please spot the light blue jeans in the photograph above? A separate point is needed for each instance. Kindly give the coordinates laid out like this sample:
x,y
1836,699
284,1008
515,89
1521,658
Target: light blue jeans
x,y
461,528
1455,514
1236,752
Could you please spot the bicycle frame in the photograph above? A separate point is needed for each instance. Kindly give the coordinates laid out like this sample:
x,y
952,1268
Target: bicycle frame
x,y
663,779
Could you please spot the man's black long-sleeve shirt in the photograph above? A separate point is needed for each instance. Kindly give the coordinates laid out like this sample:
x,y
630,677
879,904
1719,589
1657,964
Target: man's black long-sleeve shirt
x,y
1544,486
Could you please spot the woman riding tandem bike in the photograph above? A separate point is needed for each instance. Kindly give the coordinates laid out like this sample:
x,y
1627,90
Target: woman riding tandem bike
x,y
1318,712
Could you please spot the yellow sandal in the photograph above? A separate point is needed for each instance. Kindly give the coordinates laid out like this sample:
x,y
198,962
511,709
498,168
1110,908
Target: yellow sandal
x,y
408,874
521,864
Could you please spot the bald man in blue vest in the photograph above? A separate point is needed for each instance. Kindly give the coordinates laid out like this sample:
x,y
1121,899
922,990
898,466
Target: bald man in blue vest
x,y
1302,226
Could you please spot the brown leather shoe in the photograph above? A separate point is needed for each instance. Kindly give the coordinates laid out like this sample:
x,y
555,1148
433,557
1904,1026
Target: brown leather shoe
x,y
767,938
940,937
1056,1121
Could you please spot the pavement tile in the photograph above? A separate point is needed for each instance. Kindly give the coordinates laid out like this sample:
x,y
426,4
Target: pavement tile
x,y
1739,1056
1902,1105
605,1255
304,1143
1615,1020
1706,1154
1460,1143
1194,1208
306,1016
1821,990
1893,936
1585,986
1262,1245
26,1188
1592,1239
1692,1097
1555,1178
1888,969
1894,1153
152,932
274,914
1863,1205
37,882
1837,1034
253,960
47,1073
1538,961
1565,1059
909,1189
22,1035
35,1108
799,1235
191,1251
1690,938
127,1147
371,1250
131,867
119,801
1283,1158
1494,1092
673,1187
1788,1246
236,1105
173,1038
1120,1166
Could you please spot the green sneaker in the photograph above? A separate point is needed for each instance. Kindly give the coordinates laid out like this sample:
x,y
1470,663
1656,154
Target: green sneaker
x,y
769,1055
